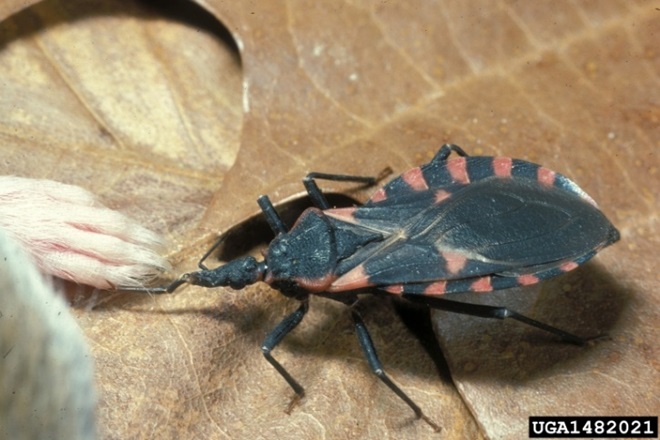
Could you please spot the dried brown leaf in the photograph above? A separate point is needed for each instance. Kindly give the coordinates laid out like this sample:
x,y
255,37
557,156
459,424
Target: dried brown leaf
x,y
146,110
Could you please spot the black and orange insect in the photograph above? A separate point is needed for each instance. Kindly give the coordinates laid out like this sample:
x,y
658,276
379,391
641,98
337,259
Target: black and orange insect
x,y
465,224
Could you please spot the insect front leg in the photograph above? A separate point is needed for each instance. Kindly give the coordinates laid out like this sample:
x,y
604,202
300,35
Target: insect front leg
x,y
374,363
317,196
485,311
272,217
274,338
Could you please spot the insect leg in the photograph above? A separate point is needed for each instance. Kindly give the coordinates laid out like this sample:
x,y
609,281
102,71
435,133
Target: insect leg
x,y
272,217
485,311
446,150
317,196
274,338
374,363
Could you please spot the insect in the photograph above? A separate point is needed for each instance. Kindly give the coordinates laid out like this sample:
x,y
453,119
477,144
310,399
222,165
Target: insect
x,y
462,224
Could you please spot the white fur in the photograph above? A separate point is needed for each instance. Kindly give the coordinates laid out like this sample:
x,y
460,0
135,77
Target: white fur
x,y
69,234
46,372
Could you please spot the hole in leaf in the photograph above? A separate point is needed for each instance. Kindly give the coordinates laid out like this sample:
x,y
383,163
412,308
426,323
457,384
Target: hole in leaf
x,y
185,11
252,236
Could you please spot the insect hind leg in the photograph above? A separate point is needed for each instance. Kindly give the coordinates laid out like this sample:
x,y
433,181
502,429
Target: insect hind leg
x,y
485,311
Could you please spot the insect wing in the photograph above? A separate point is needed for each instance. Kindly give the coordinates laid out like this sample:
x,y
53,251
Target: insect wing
x,y
493,225
401,199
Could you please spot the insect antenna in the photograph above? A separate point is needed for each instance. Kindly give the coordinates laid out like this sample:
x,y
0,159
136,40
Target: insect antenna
x,y
211,250
158,289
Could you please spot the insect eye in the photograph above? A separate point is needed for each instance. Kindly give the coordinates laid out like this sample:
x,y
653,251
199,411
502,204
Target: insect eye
x,y
278,249
277,258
